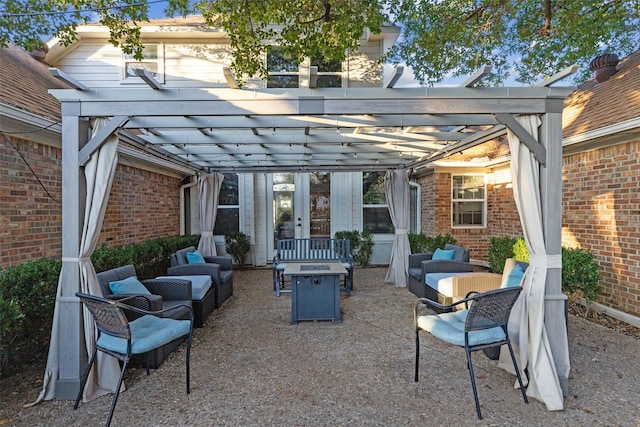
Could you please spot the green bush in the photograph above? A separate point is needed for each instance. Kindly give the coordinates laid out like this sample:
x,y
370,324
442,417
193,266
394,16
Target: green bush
x,y
27,298
439,241
500,248
418,243
238,245
520,251
580,274
361,244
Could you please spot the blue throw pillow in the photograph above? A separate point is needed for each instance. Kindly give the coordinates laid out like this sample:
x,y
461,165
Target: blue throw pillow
x,y
130,285
515,277
443,254
195,257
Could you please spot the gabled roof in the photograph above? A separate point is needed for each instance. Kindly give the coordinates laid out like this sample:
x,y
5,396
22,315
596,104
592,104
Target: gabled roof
x,y
24,83
598,105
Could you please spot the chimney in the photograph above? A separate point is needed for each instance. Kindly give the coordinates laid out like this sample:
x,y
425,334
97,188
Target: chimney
x,y
604,66
39,53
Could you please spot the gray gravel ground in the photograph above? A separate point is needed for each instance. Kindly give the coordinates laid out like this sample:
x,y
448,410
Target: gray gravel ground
x,y
251,367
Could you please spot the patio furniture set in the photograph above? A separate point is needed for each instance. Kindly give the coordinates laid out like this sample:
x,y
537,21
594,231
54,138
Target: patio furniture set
x,y
145,320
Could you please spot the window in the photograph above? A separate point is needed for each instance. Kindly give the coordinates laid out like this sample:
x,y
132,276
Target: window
x,y
375,213
329,72
468,201
152,61
282,68
228,216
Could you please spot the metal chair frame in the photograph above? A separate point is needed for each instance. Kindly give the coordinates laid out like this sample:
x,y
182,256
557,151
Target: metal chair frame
x,y
488,310
110,319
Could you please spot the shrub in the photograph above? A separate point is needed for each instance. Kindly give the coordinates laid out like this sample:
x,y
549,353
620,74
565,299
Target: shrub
x,y
580,275
439,241
27,298
520,251
361,244
500,248
418,243
238,245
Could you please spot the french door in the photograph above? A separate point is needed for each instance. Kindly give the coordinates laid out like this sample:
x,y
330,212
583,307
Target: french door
x,y
300,205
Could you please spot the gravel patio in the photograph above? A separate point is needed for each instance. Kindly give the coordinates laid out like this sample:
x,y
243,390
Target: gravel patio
x,y
251,367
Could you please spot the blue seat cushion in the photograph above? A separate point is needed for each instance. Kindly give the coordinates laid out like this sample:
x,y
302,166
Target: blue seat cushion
x,y
147,332
433,281
200,284
449,327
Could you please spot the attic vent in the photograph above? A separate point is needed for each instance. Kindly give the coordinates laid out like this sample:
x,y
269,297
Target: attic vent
x,y
604,66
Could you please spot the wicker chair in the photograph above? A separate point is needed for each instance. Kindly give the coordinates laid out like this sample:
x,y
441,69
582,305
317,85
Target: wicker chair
x,y
220,268
482,326
121,339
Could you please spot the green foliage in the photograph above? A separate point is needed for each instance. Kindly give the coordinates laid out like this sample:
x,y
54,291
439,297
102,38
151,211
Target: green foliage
x,y
439,241
580,274
27,298
500,248
238,245
361,244
580,271
418,243
536,38
520,251
439,38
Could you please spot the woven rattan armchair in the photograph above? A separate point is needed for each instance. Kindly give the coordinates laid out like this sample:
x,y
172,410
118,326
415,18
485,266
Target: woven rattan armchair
x,y
121,339
481,326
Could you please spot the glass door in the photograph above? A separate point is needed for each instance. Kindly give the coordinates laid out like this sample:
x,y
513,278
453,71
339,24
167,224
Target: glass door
x,y
320,204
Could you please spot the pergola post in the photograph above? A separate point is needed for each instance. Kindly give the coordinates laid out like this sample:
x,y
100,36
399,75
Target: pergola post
x,y
71,347
551,190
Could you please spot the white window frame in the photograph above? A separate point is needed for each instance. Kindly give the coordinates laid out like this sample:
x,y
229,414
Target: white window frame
x,y
159,61
455,201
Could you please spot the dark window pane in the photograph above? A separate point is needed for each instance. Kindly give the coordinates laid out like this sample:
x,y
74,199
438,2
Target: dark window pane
x,y
284,81
329,81
467,213
227,220
377,220
229,190
332,66
373,188
279,62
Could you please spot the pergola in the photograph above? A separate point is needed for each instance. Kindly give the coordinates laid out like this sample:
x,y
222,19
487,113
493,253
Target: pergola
x,y
346,129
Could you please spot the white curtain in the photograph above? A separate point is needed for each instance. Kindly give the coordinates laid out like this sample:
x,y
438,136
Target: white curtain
x,y
99,173
526,326
209,185
396,184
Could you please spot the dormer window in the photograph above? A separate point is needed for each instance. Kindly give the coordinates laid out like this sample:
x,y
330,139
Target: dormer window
x,y
152,61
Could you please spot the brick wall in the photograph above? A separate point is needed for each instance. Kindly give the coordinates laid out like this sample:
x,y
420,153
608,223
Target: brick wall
x,y
502,214
142,205
601,213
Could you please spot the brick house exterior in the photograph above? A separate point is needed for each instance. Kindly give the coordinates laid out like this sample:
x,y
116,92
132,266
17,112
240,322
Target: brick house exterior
x,y
601,206
144,202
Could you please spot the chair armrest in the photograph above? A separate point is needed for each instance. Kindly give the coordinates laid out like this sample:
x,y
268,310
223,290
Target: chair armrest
x,y
225,262
463,284
416,259
445,266
170,289
433,304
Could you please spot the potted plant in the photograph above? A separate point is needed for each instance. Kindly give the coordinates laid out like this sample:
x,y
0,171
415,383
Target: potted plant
x,y
238,245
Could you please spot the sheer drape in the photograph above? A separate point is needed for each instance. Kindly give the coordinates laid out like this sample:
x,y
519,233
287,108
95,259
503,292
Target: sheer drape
x,y
397,191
